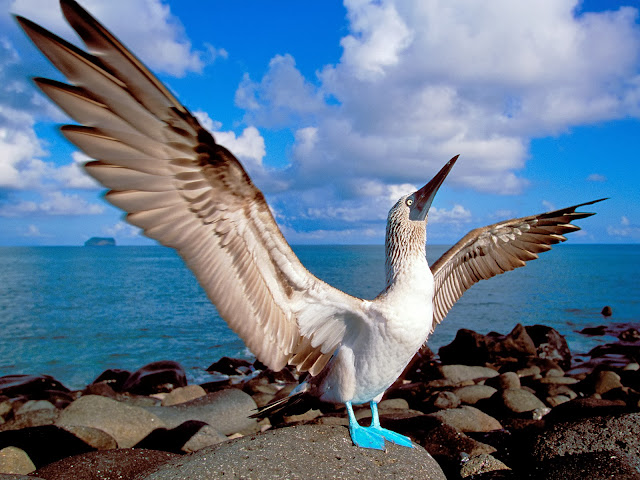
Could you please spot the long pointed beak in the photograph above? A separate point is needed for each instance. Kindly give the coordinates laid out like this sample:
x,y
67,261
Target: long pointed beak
x,y
424,197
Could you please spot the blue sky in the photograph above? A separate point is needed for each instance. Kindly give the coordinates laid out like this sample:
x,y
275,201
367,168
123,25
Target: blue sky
x,y
336,110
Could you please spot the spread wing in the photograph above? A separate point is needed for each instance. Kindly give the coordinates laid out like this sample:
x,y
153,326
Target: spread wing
x,y
187,192
495,249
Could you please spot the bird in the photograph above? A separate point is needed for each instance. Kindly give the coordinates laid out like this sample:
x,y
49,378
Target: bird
x,y
190,193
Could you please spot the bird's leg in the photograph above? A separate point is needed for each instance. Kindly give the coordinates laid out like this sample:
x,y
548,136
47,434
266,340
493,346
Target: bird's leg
x,y
363,437
388,434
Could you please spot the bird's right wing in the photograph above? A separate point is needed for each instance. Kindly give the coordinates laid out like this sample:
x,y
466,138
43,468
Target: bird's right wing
x,y
495,249
189,193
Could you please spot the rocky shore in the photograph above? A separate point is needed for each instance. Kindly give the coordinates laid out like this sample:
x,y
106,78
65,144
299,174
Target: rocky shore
x,y
514,406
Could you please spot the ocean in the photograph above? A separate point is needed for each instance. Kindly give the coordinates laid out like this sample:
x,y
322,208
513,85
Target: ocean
x,y
72,312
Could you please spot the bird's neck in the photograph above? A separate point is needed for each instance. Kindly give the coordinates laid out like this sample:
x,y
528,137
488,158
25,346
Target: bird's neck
x,y
405,252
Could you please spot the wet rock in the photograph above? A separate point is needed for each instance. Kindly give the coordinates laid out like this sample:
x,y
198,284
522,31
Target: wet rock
x,y
113,377
480,464
126,424
550,345
230,366
629,335
16,461
102,389
105,465
227,411
45,444
183,394
456,374
30,386
293,452
468,419
472,394
606,311
594,331
156,377
504,381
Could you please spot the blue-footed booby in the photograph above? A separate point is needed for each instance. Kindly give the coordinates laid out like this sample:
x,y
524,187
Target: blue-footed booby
x,y
190,193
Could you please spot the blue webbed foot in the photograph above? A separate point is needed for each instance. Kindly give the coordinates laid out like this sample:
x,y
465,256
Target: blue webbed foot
x,y
366,437
393,436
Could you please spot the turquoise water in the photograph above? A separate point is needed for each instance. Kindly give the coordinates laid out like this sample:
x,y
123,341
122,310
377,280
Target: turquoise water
x,y
72,312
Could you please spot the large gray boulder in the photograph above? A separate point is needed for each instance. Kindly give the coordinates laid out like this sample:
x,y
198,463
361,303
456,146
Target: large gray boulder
x,y
305,451
226,410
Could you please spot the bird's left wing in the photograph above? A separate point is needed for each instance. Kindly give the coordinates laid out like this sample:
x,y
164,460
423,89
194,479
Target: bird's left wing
x,y
189,193
495,249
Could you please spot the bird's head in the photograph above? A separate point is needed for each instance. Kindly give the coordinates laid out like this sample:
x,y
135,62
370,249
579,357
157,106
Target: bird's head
x,y
415,206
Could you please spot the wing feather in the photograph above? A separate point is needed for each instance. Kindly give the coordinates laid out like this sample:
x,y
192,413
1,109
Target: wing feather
x,y
187,192
495,249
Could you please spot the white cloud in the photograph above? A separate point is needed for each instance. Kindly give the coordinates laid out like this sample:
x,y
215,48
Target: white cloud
x,y
625,229
33,231
121,230
549,206
596,177
457,214
53,203
145,26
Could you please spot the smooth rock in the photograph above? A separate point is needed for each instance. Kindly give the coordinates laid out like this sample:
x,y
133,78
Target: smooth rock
x,y
460,373
94,437
393,404
558,380
504,381
518,400
442,400
468,419
227,411
36,418
155,377
174,440
113,377
317,451
35,405
183,394
119,464
5,407
480,464
126,424
30,386
557,400
606,380
472,394
302,417
205,437
16,461
594,331
531,371
606,311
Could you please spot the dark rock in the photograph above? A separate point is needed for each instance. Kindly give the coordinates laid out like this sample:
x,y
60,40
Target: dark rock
x,y
606,311
319,451
93,437
230,366
183,394
479,464
44,444
629,335
580,408
590,465
113,377
550,345
35,418
619,435
594,331
124,463
468,419
630,352
171,440
421,368
34,387
162,376
442,401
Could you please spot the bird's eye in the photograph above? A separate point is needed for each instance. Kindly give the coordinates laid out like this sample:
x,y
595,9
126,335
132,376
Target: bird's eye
x,y
409,202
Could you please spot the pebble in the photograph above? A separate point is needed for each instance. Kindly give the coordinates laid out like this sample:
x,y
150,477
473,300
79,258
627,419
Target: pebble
x,y
518,400
606,380
35,405
504,381
480,464
15,461
461,373
471,394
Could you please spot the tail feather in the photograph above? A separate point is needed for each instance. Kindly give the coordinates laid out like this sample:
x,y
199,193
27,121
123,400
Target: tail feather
x,y
281,406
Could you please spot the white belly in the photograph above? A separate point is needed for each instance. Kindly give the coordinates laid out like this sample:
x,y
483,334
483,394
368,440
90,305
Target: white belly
x,y
366,366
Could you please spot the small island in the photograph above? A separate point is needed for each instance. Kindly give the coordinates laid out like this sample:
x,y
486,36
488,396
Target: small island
x,y
100,242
